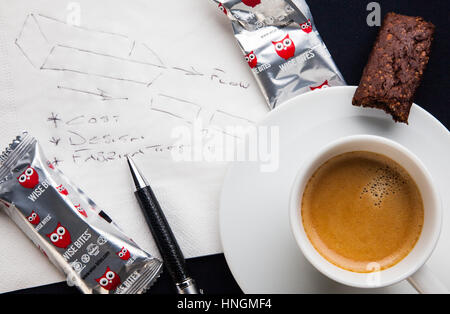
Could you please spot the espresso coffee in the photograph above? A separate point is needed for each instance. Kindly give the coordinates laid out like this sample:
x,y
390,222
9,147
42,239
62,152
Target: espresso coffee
x,y
362,211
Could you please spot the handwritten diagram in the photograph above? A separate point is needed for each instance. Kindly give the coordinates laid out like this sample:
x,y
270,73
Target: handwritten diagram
x,y
94,81
86,58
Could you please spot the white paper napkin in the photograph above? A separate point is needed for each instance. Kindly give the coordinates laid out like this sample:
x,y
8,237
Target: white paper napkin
x,y
95,80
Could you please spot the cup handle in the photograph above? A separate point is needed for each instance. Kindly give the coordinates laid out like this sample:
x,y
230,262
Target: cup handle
x,y
425,282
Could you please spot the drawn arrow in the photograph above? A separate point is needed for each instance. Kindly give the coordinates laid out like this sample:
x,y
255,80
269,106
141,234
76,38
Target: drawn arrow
x,y
192,71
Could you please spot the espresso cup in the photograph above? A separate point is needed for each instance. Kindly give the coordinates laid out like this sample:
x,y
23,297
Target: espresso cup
x,y
411,267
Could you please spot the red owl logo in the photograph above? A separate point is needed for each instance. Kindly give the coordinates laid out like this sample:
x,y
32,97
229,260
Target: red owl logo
x,y
306,27
29,178
321,86
33,218
251,3
251,59
285,48
81,210
60,237
222,8
123,254
62,190
109,280
50,165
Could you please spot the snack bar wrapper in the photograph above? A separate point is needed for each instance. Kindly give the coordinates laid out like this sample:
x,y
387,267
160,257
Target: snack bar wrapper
x,y
68,227
282,47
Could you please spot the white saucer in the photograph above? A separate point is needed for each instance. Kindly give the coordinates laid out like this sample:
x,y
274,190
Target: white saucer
x,y
258,244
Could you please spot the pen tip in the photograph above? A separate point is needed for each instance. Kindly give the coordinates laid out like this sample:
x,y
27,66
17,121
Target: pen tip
x,y
131,164
138,178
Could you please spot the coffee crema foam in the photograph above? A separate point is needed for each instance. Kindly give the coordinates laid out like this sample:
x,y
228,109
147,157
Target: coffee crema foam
x,y
361,208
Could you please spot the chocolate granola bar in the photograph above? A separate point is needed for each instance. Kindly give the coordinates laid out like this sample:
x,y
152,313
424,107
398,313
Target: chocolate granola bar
x,y
396,65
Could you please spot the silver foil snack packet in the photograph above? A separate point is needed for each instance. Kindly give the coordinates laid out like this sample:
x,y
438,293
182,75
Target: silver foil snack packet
x,y
68,227
282,47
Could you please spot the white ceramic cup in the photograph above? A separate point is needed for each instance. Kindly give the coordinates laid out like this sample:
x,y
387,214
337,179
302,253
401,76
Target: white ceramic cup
x,y
412,267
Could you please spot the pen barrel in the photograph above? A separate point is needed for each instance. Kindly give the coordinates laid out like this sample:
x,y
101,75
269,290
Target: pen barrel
x,y
163,235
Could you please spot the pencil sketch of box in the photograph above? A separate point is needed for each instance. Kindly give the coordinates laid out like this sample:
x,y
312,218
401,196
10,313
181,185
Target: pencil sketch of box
x,y
177,108
54,45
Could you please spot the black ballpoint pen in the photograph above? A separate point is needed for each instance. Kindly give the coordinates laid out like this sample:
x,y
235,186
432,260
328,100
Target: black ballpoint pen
x,y
163,235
